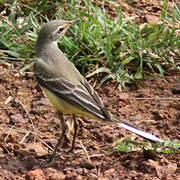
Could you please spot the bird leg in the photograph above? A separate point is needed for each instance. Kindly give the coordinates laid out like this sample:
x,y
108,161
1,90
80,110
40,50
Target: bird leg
x,y
75,125
64,127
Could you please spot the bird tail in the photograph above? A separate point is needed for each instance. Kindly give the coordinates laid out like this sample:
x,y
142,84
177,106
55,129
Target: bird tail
x,y
143,134
137,131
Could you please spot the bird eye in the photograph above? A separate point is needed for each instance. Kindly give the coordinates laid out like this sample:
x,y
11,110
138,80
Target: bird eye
x,y
60,30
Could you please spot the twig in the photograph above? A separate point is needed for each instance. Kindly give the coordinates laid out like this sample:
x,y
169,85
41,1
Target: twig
x,y
26,113
9,132
176,6
96,155
155,98
99,169
22,140
22,130
141,98
84,149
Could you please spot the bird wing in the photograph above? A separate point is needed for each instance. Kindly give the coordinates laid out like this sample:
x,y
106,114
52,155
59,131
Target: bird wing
x,y
80,95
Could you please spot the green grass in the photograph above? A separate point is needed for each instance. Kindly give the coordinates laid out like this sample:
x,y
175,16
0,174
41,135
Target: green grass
x,y
123,50
118,49
168,147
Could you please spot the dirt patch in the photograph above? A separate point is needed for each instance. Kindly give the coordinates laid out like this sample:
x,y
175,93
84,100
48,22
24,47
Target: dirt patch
x,y
29,127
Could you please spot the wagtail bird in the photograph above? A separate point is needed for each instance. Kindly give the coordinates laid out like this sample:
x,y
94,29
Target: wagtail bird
x,y
67,90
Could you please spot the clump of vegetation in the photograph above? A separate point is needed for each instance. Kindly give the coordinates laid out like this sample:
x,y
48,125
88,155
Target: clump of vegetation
x,y
122,50
168,147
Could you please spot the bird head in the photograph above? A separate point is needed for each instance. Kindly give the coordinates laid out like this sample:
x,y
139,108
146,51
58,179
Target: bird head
x,y
54,30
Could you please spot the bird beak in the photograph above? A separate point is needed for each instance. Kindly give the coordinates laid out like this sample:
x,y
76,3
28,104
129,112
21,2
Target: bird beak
x,y
72,22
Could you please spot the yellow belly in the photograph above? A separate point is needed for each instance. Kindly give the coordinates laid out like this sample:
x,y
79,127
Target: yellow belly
x,y
63,106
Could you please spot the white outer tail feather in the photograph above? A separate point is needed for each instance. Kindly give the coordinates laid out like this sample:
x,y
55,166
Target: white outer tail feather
x,y
141,133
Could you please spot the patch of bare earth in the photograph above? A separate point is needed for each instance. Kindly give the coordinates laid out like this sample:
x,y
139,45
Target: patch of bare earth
x,y
29,127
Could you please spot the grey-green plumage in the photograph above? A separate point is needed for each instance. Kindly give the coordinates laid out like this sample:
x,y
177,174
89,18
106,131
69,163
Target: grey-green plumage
x,y
65,87
57,74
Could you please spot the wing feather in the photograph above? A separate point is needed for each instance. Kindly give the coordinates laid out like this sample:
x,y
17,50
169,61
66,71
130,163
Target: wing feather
x,y
81,95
